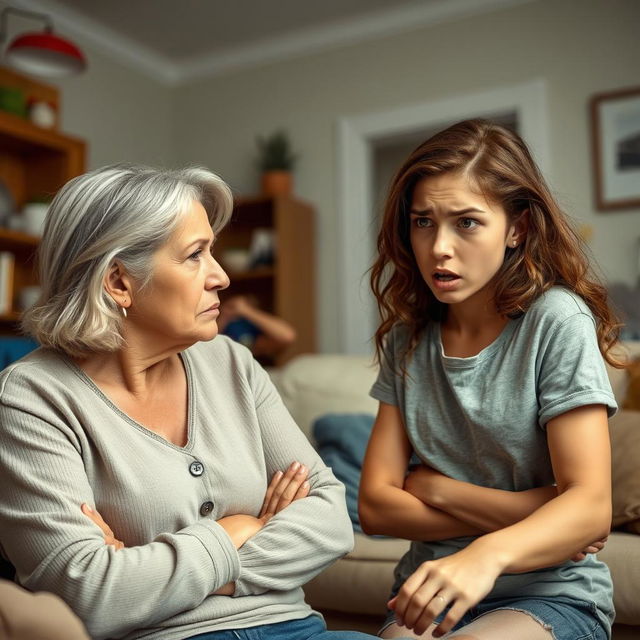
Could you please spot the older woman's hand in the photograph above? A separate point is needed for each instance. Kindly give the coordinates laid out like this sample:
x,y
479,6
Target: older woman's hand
x,y
284,489
109,536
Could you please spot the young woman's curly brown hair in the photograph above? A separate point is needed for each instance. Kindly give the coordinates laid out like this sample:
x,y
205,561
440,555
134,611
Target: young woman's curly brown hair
x,y
500,165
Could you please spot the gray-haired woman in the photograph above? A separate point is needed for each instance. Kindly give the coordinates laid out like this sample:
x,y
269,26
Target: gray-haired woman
x,y
216,509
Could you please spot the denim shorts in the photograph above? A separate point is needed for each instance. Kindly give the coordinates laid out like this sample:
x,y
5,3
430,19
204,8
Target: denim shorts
x,y
564,618
310,628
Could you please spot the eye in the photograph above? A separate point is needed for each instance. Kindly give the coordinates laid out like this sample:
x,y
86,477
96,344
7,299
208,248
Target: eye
x,y
467,223
196,255
422,222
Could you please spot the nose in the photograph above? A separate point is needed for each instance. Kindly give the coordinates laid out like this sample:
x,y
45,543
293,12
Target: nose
x,y
442,243
217,277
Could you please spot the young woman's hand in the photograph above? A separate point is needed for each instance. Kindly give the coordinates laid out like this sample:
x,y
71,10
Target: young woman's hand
x,y
460,580
96,518
594,547
284,489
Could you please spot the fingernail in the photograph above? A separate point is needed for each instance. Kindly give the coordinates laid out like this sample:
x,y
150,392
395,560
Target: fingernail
x,y
302,469
437,633
305,485
295,465
87,507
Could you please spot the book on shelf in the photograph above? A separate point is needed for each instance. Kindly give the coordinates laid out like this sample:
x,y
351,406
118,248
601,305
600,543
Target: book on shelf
x,y
7,262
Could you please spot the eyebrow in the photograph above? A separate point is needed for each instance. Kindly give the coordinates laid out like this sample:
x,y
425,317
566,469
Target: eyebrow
x,y
459,212
200,241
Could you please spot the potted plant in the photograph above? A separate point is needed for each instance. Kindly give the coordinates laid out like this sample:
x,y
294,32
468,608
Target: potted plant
x,y
276,161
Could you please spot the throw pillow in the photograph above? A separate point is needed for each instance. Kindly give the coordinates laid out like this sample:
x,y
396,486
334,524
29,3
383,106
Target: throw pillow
x,y
341,441
625,471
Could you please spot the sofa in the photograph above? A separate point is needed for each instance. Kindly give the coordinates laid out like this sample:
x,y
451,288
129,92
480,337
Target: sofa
x,y
352,593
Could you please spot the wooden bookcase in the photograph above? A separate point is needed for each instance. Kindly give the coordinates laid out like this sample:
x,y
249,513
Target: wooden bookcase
x,y
34,162
287,287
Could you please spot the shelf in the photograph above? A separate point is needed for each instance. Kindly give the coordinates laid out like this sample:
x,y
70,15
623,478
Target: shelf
x,y
18,238
10,317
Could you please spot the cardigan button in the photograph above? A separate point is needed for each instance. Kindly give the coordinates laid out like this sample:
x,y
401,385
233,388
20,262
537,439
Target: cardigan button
x,y
196,468
206,508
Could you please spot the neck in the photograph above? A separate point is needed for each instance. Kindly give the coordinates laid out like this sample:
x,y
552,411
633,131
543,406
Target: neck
x,y
474,316
136,367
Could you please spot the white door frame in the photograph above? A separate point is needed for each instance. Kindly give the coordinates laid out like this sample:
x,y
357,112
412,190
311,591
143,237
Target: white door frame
x,y
356,135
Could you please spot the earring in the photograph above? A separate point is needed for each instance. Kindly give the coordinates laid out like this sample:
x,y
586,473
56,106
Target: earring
x,y
123,308
514,244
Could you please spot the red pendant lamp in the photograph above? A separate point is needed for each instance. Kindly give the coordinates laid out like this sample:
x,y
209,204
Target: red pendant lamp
x,y
41,53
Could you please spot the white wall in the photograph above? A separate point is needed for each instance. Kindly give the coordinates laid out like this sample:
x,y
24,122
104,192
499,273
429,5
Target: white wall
x,y
579,47
123,115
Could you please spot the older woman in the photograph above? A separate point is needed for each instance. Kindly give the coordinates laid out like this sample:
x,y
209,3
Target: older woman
x,y
137,451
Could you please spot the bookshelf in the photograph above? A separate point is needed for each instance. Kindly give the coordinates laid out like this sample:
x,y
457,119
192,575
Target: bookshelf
x,y
286,287
34,162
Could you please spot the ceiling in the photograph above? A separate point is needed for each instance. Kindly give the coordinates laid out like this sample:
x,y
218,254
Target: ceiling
x,y
182,29
177,40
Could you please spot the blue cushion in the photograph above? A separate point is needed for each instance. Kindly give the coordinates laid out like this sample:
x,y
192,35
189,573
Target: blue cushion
x,y
341,442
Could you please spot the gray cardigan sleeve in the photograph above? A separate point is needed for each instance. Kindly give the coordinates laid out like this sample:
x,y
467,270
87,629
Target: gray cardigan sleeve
x,y
308,535
56,548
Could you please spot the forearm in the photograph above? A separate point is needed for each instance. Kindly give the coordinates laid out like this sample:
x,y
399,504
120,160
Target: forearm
x,y
170,575
392,511
273,327
298,542
569,522
482,507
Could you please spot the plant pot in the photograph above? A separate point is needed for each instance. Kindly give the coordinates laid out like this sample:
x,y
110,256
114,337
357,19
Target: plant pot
x,y
277,183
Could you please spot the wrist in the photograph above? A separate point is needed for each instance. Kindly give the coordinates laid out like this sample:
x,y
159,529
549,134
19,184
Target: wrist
x,y
490,547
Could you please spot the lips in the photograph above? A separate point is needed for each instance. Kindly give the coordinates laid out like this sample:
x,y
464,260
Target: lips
x,y
444,275
213,307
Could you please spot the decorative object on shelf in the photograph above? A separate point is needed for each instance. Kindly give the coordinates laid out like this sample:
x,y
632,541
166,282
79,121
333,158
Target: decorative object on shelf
x,y
13,100
7,262
235,259
34,214
42,53
7,204
276,161
42,114
262,250
615,129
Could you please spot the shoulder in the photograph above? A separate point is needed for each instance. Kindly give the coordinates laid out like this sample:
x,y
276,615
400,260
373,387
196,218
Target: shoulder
x,y
42,368
556,306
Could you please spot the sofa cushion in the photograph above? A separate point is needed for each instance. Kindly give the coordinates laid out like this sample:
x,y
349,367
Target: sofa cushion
x,y
312,385
622,556
624,429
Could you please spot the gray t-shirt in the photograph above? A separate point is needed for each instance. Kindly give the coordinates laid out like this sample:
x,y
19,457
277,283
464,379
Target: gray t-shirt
x,y
482,420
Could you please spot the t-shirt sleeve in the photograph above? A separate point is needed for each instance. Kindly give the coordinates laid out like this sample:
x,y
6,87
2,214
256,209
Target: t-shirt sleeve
x,y
384,388
572,372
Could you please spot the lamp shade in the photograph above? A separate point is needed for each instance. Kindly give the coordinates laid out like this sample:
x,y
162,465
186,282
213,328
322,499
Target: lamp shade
x,y
45,54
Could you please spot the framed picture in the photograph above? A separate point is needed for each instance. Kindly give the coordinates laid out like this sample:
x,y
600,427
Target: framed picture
x,y
615,130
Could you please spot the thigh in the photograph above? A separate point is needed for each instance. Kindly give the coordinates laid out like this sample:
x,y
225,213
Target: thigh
x,y
503,624
394,630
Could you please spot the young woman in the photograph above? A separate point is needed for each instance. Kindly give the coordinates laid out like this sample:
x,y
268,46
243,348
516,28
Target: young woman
x,y
490,347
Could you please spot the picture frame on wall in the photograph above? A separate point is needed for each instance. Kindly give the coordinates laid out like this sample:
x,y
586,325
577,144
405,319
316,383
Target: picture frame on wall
x,y
615,131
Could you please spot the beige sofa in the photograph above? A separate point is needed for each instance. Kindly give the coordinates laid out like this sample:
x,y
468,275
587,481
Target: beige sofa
x,y
354,590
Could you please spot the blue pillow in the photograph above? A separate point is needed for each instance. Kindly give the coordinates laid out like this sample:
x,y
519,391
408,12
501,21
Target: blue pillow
x,y
341,440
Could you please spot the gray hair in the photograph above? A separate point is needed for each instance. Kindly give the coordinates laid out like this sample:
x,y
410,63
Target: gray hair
x,y
121,212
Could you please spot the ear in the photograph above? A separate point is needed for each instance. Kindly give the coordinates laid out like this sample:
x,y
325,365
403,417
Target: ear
x,y
118,284
518,230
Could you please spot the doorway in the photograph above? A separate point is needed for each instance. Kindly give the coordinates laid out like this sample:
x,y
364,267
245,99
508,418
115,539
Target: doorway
x,y
370,148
